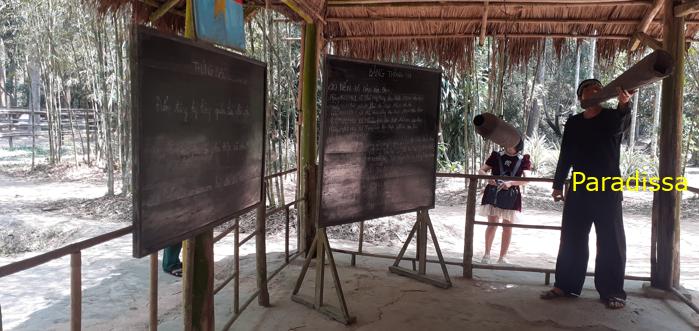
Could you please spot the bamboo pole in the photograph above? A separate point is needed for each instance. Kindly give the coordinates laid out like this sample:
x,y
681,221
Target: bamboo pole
x,y
75,291
452,20
236,262
154,292
666,217
308,135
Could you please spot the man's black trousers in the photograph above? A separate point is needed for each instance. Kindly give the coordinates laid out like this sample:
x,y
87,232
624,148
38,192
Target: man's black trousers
x,y
581,210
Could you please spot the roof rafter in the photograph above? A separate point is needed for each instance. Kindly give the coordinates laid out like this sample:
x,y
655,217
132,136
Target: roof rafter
x,y
645,23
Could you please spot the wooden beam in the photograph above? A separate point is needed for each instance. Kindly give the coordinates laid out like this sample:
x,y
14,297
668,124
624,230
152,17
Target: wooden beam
x,y
687,8
645,23
476,3
433,20
162,10
157,5
648,41
471,35
484,25
297,9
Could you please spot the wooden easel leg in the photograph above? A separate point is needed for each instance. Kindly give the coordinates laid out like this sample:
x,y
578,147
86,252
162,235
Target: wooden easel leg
x,y
336,280
322,247
422,225
306,264
439,251
422,240
320,270
405,246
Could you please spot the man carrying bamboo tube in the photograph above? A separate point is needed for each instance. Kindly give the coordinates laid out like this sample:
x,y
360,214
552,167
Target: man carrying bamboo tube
x,y
591,143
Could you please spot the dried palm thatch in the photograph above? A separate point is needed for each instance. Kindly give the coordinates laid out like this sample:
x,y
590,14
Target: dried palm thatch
x,y
448,30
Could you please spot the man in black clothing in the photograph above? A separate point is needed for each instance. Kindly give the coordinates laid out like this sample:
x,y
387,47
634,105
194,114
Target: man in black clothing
x,y
591,142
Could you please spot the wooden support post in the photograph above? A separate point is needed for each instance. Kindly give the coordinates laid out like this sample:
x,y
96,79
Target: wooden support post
x,y
666,219
286,234
75,292
422,225
236,263
187,275
261,256
153,292
203,282
308,136
361,237
468,233
0,318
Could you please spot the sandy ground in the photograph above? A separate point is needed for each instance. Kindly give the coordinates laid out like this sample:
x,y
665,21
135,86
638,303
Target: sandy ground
x,y
34,209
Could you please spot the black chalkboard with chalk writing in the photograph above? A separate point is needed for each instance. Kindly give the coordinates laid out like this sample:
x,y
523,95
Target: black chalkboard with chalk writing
x,y
197,137
378,141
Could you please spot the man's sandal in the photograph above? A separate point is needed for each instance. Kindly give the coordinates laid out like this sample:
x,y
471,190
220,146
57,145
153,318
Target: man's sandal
x,y
615,303
553,294
177,272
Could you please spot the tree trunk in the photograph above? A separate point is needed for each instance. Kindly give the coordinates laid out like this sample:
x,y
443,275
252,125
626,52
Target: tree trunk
x,y
538,94
36,103
3,77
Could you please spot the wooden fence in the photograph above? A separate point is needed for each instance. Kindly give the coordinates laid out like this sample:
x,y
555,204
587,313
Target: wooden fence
x,y
17,123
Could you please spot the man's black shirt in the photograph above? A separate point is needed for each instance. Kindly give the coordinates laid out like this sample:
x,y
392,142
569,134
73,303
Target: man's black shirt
x,y
591,146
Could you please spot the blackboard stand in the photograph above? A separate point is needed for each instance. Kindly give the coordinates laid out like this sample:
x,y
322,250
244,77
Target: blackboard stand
x,y
322,246
422,225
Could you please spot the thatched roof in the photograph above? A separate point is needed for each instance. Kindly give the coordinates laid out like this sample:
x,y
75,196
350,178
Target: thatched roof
x,y
448,30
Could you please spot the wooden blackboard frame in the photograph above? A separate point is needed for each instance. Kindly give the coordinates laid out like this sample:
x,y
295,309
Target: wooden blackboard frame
x,y
137,133
324,134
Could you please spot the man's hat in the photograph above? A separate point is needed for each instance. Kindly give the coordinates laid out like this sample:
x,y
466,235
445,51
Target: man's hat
x,y
586,83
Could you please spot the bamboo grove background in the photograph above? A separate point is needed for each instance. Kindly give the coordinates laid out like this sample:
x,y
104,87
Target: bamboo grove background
x,y
58,55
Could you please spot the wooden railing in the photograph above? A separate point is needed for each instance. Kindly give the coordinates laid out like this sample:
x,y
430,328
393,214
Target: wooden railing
x,y
75,251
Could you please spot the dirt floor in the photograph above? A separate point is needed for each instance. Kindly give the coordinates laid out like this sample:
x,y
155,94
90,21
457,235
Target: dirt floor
x,y
52,207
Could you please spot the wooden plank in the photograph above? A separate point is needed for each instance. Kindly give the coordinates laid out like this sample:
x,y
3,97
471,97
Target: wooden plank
x,y
689,7
420,277
320,271
153,297
236,264
187,273
304,269
203,282
158,5
162,10
645,23
468,232
75,292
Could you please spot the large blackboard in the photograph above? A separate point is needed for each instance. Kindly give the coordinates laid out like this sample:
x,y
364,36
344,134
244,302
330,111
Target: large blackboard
x,y
198,137
378,141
